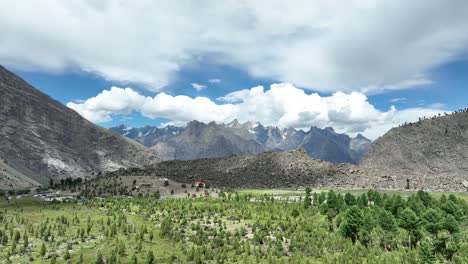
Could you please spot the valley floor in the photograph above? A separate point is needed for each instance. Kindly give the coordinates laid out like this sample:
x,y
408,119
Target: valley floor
x,y
244,226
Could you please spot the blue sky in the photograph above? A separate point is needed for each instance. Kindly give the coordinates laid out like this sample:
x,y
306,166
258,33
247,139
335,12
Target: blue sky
x,y
448,90
359,66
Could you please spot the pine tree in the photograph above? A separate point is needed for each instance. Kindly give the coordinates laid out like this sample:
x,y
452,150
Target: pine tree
x,y
349,199
409,221
133,259
43,250
197,258
426,251
295,213
99,259
451,224
149,257
307,201
353,221
112,258
13,245
432,220
25,240
121,248
191,255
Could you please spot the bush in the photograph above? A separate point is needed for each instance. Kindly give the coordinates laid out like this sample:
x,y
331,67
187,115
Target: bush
x,y
295,213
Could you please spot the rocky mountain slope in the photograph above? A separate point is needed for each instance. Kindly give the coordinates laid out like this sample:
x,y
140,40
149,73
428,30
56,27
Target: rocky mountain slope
x,y
200,140
431,153
43,139
12,179
265,170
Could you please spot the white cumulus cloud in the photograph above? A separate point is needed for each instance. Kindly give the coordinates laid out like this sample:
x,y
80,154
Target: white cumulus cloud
x,y
198,86
282,105
113,101
324,45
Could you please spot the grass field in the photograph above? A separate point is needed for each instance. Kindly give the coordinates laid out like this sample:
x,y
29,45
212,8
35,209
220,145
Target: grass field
x,y
243,226
34,212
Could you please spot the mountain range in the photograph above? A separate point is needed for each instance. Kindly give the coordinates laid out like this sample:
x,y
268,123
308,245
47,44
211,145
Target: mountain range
x,y
200,140
43,140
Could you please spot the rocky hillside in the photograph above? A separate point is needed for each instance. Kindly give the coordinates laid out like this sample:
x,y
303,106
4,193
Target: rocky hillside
x,y
431,153
265,170
200,140
43,139
11,179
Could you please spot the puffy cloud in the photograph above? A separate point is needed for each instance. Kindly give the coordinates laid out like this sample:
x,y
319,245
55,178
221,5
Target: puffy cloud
x,y
356,45
198,86
282,105
113,101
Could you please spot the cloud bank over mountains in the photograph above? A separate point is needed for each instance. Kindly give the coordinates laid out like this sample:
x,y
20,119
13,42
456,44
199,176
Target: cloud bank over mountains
x,y
322,45
282,105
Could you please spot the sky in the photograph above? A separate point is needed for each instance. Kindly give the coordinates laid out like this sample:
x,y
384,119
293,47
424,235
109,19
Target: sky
x,y
358,66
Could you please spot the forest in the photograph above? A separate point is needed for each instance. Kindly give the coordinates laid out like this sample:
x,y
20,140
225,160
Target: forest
x,y
317,227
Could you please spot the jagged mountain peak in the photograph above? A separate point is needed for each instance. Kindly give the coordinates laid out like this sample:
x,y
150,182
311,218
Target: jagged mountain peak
x,y
234,123
360,136
248,138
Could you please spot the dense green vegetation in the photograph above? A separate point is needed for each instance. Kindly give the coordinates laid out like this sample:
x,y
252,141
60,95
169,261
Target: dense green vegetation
x,y
326,227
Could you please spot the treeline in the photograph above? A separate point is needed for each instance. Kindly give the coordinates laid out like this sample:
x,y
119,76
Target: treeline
x,y
14,192
65,183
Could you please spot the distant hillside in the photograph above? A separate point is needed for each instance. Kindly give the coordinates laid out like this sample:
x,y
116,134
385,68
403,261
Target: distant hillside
x,y
432,153
265,170
200,140
43,139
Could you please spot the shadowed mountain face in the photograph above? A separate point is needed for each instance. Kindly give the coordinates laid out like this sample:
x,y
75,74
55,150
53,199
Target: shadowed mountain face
x,y
43,139
200,140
